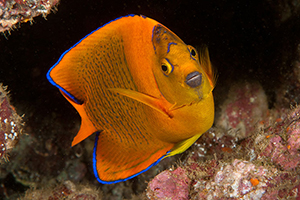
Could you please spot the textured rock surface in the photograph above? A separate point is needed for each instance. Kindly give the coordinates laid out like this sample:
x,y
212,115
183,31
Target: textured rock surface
x,y
245,106
68,190
170,185
14,11
10,125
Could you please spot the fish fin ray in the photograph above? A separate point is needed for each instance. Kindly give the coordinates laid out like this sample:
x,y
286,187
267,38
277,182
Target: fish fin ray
x,y
207,66
86,128
116,163
148,100
64,76
69,96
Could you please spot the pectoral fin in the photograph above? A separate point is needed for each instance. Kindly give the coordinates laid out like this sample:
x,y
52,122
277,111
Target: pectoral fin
x,y
153,102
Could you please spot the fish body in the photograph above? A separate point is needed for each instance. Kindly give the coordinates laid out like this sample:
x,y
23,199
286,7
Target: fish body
x,y
141,89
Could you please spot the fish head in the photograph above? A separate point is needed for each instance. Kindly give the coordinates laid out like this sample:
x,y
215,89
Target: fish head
x,y
178,72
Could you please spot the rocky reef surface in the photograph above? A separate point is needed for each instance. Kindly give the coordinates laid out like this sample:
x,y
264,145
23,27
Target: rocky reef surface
x,y
12,12
10,125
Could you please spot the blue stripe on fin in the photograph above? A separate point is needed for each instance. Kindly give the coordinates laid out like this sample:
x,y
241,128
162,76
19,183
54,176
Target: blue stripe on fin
x,y
120,180
62,89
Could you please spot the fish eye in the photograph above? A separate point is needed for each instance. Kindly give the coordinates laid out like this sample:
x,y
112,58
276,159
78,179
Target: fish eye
x,y
193,52
166,67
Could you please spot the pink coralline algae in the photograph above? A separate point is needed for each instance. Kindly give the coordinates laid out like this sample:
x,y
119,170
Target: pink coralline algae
x,y
234,181
218,180
169,185
246,105
245,180
10,125
15,11
283,143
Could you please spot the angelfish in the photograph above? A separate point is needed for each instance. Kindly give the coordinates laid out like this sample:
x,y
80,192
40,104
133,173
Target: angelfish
x,y
144,92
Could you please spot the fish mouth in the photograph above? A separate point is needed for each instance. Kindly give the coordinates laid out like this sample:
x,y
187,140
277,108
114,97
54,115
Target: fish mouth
x,y
194,79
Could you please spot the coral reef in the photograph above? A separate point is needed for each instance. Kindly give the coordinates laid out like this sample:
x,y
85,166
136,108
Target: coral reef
x,y
10,125
239,179
242,180
283,144
169,185
15,11
67,190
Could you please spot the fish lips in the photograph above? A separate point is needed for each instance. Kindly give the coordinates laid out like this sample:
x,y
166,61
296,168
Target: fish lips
x,y
194,79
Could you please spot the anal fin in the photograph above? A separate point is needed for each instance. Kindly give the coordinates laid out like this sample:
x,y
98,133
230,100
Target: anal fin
x,y
119,161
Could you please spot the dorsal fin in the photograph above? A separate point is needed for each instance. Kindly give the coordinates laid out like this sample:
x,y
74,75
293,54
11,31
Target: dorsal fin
x,y
206,65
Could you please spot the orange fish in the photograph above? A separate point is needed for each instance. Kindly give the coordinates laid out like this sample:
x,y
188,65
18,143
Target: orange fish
x,y
144,92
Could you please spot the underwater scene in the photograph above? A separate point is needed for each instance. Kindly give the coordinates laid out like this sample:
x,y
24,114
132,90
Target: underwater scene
x,y
140,100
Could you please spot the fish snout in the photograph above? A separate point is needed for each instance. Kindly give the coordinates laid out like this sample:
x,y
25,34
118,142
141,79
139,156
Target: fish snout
x,y
194,79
